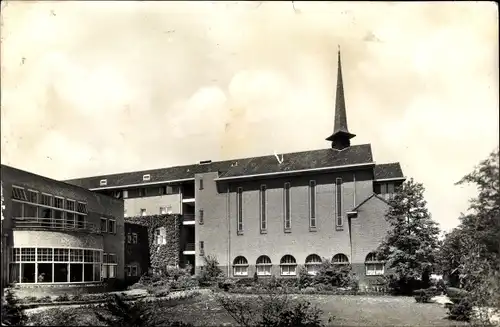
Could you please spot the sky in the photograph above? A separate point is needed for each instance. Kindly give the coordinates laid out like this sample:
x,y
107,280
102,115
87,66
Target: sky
x,y
95,87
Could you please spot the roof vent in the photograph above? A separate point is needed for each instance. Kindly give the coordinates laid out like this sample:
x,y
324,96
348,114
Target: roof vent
x,y
103,182
234,164
205,162
146,178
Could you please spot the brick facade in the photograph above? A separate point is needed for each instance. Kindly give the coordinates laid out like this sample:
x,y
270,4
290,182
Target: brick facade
x,y
221,238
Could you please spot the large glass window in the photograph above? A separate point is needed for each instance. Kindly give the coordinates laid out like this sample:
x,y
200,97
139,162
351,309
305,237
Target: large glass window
x,y
55,265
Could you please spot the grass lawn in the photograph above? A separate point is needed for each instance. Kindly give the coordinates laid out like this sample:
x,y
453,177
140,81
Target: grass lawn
x,y
348,310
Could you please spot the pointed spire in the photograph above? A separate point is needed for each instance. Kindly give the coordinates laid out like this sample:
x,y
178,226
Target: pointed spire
x,y
341,137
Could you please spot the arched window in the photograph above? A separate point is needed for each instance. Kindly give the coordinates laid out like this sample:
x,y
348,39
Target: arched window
x,y
340,259
313,262
263,266
240,266
288,265
373,266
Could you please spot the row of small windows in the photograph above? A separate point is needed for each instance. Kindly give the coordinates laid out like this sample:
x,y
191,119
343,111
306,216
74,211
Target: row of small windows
x,y
48,200
166,210
146,191
145,178
28,205
288,265
287,201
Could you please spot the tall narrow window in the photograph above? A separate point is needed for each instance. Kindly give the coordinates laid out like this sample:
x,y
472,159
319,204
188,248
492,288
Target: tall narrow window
x,y
286,207
338,194
201,183
201,216
263,211
239,207
312,204
202,248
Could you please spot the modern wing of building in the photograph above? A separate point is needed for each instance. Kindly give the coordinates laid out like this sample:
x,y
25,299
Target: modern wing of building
x,y
58,236
274,213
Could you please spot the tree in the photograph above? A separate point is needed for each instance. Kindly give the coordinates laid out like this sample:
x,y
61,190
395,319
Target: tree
x,y
479,244
12,312
412,239
451,252
482,223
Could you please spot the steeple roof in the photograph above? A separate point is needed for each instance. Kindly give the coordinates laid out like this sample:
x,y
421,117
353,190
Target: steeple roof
x,y
341,136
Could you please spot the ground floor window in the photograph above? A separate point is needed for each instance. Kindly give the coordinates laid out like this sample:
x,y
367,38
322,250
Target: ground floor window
x,y
240,266
373,266
313,263
263,266
54,265
132,270
288,265
109,265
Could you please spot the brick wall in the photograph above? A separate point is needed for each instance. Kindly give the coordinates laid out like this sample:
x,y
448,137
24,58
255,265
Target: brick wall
x,y
368,229
326,241
214,231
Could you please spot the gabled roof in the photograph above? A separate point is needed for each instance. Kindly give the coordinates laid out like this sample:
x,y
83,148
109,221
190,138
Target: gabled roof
x,y
368,199
246,167
388,171
300,161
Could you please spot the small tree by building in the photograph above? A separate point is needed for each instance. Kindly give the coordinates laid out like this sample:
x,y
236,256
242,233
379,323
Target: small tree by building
x,y
410,246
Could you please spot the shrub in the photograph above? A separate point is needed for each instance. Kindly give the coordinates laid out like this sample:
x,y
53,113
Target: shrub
x,y
210,271
55,317
460,309
457,293
305,280
299,314
332,274
422,296
271,309
121,313
227,284
401,285
12,311
62,298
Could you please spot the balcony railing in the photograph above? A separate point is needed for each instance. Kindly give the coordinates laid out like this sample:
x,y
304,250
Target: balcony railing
x,y
55,224
189,247
188,217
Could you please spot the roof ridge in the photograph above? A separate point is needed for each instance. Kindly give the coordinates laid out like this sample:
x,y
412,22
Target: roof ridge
x,y
211,163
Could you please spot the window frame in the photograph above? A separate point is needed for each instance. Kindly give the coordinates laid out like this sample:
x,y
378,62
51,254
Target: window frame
x,y
237,264
312,205
339,196
285,265
266,265
239,210
372,261
263,208
287,207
